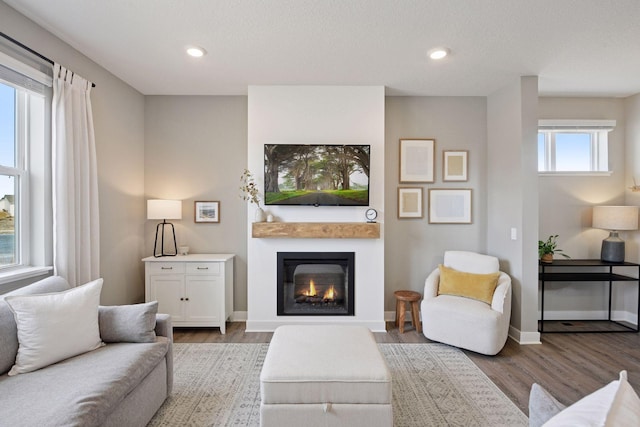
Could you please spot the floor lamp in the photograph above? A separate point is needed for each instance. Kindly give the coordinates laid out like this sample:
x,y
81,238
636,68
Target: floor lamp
x,y
164,210
614,219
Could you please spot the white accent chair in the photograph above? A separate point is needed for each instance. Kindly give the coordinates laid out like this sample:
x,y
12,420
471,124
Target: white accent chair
x,y
465,322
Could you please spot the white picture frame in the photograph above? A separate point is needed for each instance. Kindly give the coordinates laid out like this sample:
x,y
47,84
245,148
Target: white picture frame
x,y
410,202
417,160
455,165
450,206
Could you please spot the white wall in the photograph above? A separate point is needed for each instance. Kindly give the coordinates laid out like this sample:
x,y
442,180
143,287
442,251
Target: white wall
x,y
305,115
118,112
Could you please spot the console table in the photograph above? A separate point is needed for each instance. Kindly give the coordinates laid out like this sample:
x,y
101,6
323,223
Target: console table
x,y
587,270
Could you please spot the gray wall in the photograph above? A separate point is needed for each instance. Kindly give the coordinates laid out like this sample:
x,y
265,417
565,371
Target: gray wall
x,y
196,150
118,112
512,188
565,203
413,247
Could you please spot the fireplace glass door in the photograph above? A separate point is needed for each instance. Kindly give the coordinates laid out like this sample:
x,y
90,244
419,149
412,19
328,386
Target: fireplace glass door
x,y
315,283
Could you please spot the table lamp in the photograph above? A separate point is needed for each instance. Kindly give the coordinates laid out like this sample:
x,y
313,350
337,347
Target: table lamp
x,y
614,219
164,210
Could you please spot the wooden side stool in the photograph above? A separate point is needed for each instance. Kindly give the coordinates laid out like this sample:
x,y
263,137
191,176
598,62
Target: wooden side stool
x,y
403,297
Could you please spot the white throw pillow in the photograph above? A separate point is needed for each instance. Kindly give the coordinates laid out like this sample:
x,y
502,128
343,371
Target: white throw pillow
x,y
625,409
53,327
615,404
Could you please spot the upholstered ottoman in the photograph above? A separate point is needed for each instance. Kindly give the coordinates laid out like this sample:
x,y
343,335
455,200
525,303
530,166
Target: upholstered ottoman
x,y
325,375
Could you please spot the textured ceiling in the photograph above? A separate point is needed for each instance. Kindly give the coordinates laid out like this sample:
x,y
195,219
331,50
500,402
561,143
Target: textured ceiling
x,y
576,47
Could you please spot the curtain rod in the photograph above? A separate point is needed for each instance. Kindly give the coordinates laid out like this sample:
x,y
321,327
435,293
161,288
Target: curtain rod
x,y
28,49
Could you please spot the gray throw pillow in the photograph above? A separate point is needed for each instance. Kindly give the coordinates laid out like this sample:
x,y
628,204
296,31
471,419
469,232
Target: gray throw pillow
x,y
128,323
542,406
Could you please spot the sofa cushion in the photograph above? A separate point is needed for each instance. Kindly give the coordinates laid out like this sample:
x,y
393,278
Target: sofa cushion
x,y
542,406
469,285
55,326
80,391
128,323
8,330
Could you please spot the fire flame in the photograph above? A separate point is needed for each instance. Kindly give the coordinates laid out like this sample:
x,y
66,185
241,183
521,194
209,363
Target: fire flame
x,y
330,294
312,290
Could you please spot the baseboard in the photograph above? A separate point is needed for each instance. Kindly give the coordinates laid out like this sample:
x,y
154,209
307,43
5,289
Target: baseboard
x,y
238,316
390,316
524,338
620,315
271,325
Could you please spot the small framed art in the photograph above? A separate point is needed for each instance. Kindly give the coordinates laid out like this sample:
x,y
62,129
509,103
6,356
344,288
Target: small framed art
x,y
417,162
410,202
455,165
450,206
207,211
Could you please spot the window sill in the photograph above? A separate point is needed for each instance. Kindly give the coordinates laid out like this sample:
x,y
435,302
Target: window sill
x,y
603,173
22,273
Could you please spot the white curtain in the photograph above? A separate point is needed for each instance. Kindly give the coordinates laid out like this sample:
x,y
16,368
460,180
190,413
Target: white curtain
x,y
76,227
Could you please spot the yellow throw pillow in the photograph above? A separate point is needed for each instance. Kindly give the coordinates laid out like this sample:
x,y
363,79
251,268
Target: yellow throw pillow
x,y
476,286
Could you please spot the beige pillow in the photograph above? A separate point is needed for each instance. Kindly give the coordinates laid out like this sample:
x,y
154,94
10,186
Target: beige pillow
x,y
470,285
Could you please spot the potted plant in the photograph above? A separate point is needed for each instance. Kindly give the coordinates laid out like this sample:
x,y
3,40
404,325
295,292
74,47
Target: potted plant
x,y
547,249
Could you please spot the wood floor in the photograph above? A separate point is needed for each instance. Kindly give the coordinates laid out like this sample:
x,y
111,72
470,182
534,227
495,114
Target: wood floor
x,y
570,366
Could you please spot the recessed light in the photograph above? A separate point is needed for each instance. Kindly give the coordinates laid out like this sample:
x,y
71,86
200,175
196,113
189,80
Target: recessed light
x,y
196,52
438,53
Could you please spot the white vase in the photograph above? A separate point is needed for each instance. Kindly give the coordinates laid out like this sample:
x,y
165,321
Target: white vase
x,y
259,215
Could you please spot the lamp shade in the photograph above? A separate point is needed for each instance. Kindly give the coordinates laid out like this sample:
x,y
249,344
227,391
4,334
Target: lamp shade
x,y
164,209
615,217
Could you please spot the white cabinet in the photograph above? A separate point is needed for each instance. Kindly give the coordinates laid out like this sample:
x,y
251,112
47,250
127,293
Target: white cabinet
x,y
196,290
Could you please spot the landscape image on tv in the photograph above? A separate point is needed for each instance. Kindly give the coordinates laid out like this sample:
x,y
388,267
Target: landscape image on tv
x,y
319,175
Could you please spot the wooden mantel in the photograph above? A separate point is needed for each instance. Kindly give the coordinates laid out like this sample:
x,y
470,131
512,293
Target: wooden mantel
x,y
316,230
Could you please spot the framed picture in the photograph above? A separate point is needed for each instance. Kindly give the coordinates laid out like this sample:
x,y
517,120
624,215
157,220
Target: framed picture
x,y
417,162
452,206
410,202
455,166
207,211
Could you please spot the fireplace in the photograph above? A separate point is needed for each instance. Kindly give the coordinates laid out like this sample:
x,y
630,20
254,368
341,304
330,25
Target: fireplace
x,y
315,283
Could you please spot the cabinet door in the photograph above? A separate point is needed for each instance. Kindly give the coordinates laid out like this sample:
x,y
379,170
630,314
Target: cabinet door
x,y
168,291
204,294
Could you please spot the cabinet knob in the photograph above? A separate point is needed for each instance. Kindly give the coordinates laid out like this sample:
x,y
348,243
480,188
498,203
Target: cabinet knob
x,y
187,299
181,299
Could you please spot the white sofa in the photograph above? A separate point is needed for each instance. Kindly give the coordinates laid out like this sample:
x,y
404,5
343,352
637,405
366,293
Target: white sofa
x,y
464,322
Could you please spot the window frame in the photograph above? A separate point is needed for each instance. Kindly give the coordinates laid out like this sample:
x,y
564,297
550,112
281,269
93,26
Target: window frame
x,y
598,149
33,230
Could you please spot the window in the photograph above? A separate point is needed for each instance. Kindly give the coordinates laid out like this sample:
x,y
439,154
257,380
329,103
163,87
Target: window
x,y
25,117
12,173
573,146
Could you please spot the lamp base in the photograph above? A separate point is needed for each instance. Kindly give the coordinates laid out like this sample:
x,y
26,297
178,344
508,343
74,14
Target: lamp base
x,y
160,229
612,248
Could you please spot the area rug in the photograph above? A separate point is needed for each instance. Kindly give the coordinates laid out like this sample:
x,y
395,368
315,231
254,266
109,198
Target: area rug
x,y
433,385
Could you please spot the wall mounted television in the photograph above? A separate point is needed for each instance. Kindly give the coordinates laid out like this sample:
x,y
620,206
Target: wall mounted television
x,y
316,175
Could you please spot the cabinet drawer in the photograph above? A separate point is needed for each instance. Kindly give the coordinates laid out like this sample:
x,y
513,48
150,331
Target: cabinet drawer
x,y
166,267
203,268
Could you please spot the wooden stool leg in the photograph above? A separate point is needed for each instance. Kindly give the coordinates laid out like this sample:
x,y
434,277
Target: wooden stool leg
x,y
403,310
398,302
415,316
